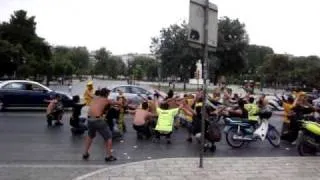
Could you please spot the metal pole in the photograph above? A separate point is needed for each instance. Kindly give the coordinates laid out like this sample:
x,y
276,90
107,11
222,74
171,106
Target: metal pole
x,y
205,76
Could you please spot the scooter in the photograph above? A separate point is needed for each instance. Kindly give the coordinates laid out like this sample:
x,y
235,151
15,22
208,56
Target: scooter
x,y
275,103
239,132
309,138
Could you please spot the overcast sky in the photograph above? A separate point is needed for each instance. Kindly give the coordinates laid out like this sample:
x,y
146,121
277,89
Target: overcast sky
x,y
126,26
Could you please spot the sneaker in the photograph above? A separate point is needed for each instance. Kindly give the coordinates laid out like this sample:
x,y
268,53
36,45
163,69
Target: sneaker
x,y
156,140
85,156
59,123
294,142
110,158
168,141
189,140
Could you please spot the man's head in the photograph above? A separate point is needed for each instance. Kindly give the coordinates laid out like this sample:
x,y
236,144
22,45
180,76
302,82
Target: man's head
x,y
170,93
241,103
251,99
90,85
164,106
145,105
104,92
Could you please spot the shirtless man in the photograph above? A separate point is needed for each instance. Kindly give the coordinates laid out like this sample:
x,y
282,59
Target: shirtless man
x,y
96,123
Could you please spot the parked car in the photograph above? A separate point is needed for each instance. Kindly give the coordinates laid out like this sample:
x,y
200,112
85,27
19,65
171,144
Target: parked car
x,y
23,93
132,93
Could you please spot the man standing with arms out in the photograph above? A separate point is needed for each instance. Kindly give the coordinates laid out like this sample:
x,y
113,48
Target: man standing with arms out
x,y
96,123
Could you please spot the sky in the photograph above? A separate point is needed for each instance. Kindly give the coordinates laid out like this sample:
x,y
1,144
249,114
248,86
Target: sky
x,y
126,26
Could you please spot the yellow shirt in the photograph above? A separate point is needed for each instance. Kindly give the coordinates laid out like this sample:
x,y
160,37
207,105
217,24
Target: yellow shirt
x,y
88,96
287,109
166,119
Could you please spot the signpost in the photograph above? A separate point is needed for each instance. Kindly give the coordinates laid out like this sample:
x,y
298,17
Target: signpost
x,y
203,19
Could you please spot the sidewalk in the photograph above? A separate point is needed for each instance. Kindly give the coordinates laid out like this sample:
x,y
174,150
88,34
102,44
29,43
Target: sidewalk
x,y
262,168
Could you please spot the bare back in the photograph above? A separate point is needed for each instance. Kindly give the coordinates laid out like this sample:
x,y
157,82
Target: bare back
x,y
97,107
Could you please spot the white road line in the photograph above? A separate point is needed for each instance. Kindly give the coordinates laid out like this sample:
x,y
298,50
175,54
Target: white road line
x,y
51,166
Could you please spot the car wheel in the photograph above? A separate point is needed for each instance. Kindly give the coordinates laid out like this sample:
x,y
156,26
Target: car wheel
x,y
2,107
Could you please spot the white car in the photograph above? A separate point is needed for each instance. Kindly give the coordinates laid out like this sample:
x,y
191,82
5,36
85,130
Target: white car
x,y
133,93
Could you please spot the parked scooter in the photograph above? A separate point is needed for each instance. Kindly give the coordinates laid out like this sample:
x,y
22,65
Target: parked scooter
x,y
309,138
239,132
275,103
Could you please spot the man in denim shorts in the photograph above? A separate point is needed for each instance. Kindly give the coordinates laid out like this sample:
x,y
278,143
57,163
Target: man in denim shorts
x,y
96,123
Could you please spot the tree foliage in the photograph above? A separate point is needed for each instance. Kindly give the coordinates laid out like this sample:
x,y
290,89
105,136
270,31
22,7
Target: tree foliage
x,y
23,51
232,47
177,57
284,69
144,67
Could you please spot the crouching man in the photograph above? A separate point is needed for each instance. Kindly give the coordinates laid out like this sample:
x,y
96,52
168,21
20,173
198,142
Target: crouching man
x,y
142,121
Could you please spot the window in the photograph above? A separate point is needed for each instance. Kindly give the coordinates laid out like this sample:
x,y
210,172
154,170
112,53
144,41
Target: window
x,y
136,90
124,89
35,87
15,86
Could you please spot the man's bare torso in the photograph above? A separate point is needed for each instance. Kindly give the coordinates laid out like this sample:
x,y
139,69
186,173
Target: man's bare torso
x,y
97,107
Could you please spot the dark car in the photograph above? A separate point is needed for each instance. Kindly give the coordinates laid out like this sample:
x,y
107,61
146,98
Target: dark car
x,y
22,93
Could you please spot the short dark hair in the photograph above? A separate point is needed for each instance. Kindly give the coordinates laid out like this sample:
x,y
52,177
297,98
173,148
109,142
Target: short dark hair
x,y
170,93
145,105
241,103
104,92
97,93
164,106
251,99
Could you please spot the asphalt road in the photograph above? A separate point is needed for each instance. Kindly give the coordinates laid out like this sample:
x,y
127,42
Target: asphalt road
x,y
31,150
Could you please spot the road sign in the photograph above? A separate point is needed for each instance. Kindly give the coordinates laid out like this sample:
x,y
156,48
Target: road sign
x,y
196,24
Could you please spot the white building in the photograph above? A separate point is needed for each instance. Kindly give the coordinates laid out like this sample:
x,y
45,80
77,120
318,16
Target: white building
x,y
130,56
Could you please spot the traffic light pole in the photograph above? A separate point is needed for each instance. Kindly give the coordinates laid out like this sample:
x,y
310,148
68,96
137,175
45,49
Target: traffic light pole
x,y
205,76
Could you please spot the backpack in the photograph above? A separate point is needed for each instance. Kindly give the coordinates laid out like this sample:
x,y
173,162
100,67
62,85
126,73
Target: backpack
x,y
213,132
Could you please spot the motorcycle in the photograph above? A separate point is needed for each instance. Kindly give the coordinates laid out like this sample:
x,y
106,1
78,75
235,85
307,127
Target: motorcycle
x,y
239,132
309,138
275,103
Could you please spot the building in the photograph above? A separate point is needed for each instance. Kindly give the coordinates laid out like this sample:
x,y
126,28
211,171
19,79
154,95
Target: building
x,y
130,56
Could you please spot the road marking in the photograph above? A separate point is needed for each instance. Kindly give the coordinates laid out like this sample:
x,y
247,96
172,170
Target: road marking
x,y
51,166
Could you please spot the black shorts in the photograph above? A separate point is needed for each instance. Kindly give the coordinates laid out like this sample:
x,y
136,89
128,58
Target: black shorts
x,y
101,126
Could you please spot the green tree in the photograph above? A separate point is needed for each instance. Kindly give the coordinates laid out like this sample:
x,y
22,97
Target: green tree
x,y
232,47
102,56
23,46
146,67
276,69
80,60
177,57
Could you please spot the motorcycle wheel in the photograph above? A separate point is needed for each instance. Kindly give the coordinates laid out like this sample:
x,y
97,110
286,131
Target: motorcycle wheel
x,y
305,149
231,141
273,137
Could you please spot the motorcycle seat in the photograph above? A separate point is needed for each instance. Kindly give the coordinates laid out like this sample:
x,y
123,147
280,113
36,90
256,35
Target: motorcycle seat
x,y
237,121
313,127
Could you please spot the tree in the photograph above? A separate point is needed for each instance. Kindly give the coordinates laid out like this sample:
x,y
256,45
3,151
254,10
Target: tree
x,y
145,67
256,55
23,47
80,60
177,57
232,45
276,68
102,56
